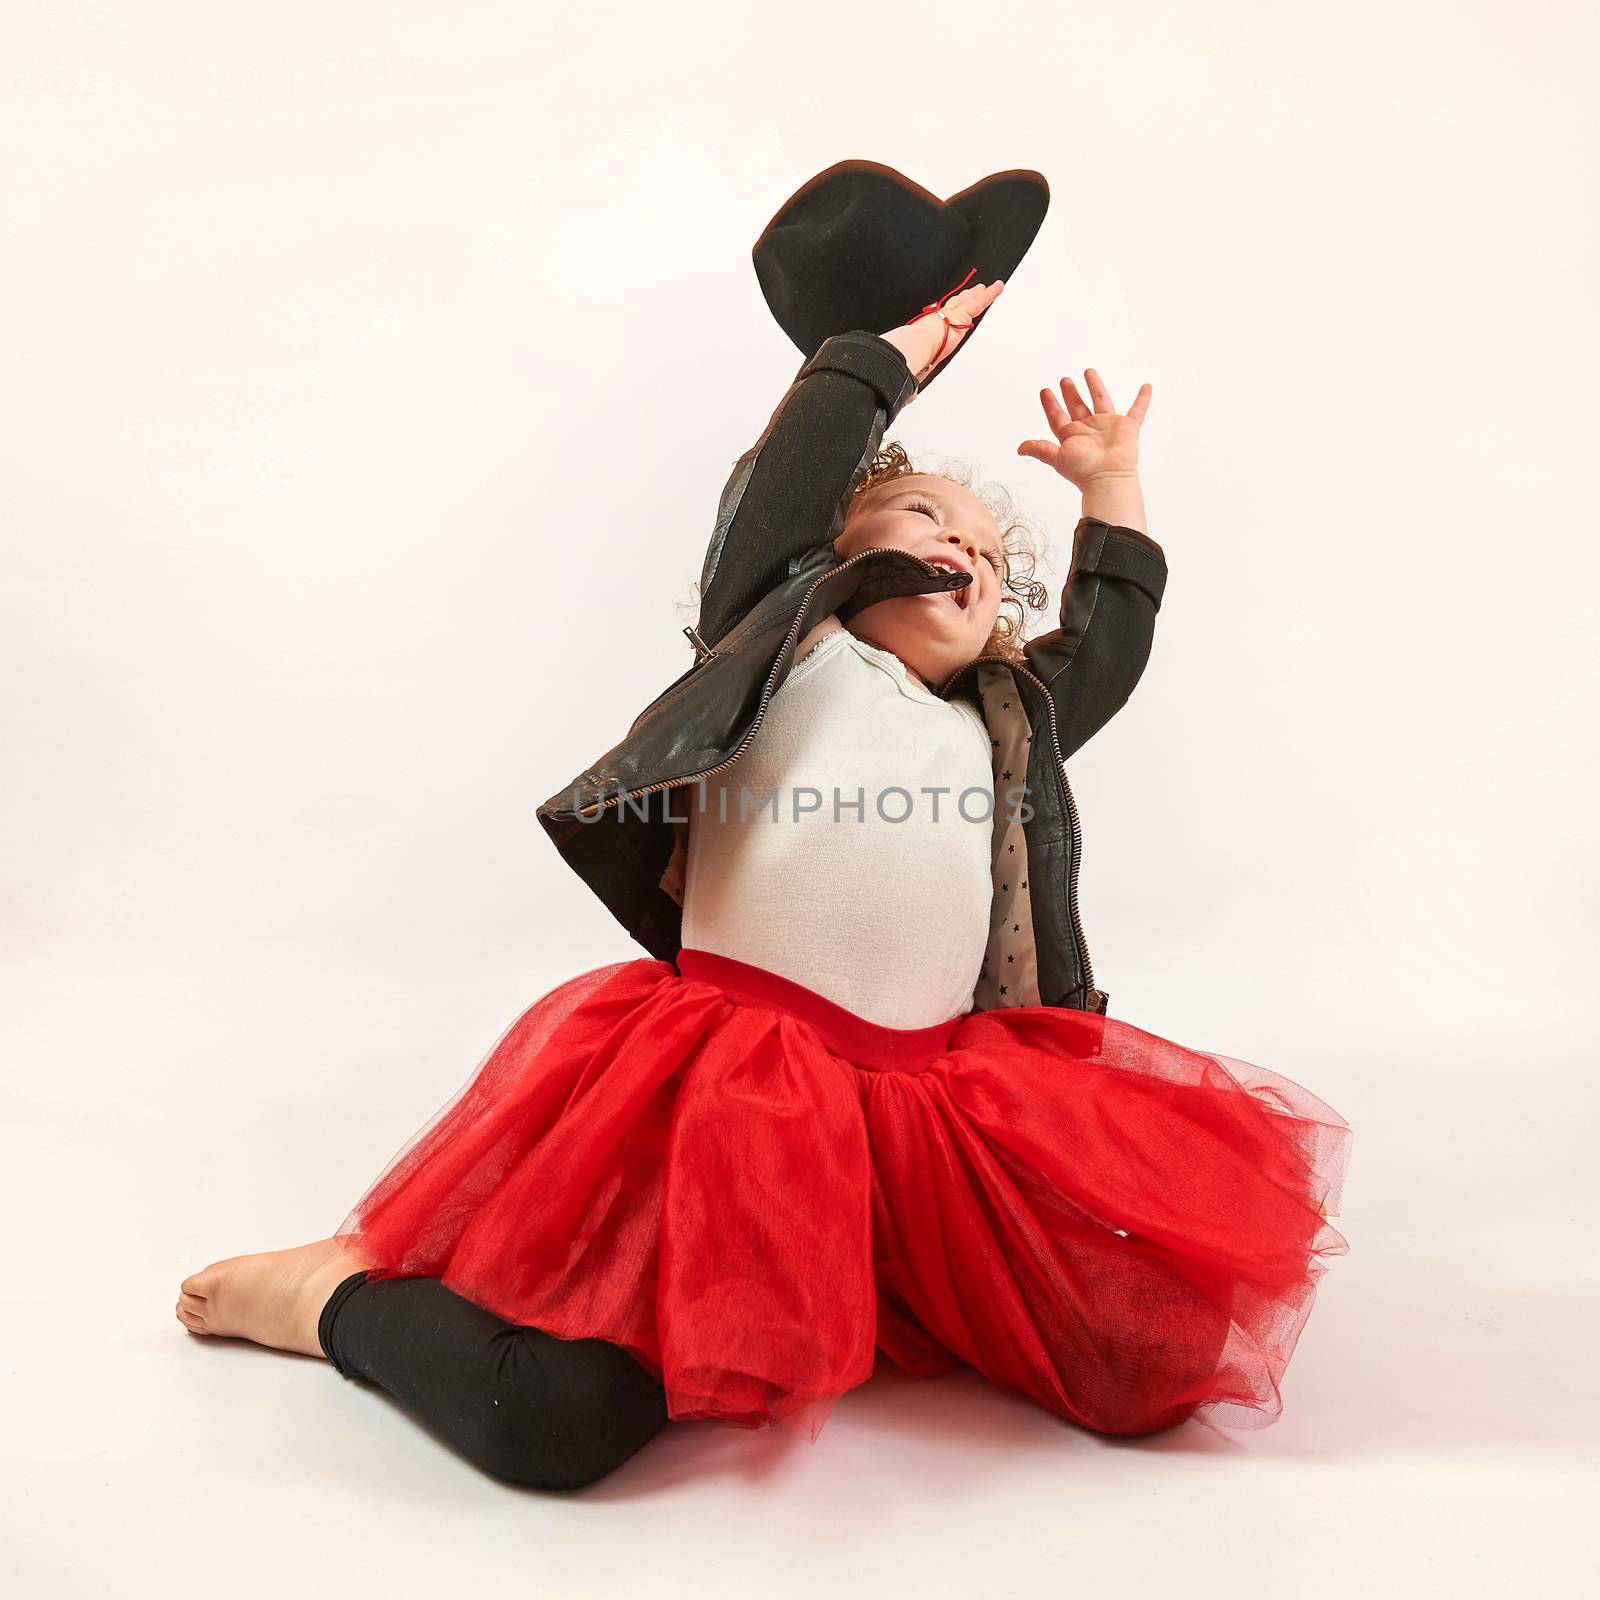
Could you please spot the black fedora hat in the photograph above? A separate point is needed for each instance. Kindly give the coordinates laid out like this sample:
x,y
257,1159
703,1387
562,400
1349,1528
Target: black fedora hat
x,y
862,246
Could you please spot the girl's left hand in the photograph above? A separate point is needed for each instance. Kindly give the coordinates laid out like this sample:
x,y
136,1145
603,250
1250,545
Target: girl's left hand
x,y
1088,442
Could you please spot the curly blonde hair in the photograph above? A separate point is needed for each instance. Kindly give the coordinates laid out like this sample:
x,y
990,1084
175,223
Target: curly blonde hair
x,y
1019,539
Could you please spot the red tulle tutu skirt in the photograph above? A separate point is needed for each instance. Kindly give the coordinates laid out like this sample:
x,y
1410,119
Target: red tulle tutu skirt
x,y
752,1190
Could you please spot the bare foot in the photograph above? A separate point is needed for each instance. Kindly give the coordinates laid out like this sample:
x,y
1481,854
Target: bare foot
x,y
273,1299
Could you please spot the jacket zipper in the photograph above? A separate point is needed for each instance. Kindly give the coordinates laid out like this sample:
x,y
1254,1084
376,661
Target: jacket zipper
x,y
767,688
702,651
1072,809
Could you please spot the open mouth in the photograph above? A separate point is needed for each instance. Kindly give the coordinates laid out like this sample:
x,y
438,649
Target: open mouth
x,y
961,596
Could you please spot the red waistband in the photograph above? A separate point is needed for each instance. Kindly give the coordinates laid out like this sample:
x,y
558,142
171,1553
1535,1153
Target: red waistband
x,y
866,1043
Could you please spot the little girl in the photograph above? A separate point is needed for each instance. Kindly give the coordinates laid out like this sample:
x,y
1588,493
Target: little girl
x,y
862,1094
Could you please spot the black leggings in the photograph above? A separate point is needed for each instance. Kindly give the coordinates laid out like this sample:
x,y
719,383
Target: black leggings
x,y
526,1406
520,1403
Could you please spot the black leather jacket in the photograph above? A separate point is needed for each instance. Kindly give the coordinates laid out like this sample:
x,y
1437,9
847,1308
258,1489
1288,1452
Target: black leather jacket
x,y
770,574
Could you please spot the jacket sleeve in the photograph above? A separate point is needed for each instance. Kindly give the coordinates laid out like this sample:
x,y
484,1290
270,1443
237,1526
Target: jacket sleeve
x,y
1091,663
790,490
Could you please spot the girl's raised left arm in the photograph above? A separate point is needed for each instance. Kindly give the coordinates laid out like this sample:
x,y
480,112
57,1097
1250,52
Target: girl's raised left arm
x,y
1093,660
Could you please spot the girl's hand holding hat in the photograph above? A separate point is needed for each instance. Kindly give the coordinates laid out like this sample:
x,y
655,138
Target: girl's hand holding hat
x,y
930,339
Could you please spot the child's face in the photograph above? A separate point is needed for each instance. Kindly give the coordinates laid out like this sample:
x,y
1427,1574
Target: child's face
x,y
938,520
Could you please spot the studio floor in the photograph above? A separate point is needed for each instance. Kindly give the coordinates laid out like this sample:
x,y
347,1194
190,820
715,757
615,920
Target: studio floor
x,y
1437,1432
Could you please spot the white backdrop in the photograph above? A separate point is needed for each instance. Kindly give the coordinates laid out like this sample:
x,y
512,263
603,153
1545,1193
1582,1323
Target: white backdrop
x,y
373,372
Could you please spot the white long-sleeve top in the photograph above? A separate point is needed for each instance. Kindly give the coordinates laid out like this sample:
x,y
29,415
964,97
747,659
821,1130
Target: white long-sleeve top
x,y
885,916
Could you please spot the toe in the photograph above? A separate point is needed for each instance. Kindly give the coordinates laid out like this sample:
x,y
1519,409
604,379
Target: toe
x,y
205,1281
200,1313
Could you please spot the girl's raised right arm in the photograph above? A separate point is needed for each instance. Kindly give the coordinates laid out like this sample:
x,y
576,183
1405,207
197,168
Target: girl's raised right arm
x,y
790,491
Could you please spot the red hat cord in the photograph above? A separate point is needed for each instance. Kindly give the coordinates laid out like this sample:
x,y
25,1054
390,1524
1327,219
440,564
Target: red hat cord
x,y
936,305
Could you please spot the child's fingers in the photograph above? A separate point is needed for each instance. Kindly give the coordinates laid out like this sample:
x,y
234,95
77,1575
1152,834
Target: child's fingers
x,y
1058,419
1141,404
1102,398
978,298
1075,405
